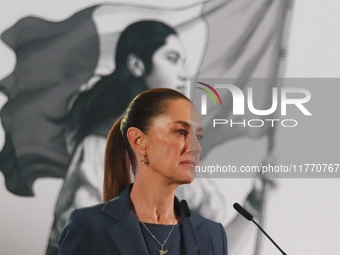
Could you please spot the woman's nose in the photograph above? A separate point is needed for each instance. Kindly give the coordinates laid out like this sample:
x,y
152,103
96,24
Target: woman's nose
x,y
194,145
184,73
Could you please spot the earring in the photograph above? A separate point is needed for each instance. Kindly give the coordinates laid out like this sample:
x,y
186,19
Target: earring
x,y
145,160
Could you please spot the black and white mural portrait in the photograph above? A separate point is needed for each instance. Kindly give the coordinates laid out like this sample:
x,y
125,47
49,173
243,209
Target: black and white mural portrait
x,y
68,71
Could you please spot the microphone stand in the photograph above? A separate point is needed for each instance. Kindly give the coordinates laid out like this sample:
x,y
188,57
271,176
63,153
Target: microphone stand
x,y
264,192
250,217
259,235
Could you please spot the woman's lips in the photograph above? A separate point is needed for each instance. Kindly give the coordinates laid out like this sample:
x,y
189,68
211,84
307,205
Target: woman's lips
x,y
181,88
189,162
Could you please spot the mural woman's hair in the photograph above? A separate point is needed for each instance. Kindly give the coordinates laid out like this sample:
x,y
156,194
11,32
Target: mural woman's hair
x,y
111,95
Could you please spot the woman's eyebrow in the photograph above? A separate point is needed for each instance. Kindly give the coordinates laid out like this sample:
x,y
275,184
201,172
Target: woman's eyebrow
x,y
187,125
184,123
173,52
200,129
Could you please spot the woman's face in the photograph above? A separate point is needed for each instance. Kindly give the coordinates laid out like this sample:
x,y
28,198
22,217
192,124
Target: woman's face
x,y
173,147
169,68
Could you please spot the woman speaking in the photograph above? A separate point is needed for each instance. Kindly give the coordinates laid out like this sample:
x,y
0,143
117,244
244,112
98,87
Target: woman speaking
x,y
158,138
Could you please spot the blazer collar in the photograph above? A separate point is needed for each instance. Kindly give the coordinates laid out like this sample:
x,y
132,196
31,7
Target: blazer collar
x,y
127,237
119,206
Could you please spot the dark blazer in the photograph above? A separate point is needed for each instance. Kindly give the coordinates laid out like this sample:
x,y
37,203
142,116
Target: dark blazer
x,y
112,228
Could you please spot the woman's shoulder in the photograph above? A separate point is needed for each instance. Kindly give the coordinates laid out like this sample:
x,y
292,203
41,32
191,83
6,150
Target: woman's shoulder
x,y
214,230
213,226
91,217
88,212
115,208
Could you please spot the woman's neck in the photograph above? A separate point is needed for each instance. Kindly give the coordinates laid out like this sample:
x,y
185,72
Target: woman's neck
x,y
153,203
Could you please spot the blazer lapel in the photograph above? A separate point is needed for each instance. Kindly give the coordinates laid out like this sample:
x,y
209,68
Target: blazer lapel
x,y
201,234
127,237
124,232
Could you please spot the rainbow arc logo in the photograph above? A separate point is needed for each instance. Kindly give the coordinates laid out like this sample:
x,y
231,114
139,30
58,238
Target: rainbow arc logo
x,y
209,90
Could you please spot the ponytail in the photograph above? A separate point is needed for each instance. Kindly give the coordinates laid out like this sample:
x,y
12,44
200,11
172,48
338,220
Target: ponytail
x,y
116,164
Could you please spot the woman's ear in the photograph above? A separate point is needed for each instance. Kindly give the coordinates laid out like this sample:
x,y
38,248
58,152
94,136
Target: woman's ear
x,y
137,140
135,65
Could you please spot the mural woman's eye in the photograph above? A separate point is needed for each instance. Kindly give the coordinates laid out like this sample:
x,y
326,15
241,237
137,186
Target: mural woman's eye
x,y
173,57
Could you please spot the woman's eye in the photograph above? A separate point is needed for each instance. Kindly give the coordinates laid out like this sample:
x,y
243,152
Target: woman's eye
x,y
199,137
172,58
182,132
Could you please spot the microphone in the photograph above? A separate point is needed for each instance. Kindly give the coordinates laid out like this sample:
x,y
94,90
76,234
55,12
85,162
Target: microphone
x,y
187,214
250,217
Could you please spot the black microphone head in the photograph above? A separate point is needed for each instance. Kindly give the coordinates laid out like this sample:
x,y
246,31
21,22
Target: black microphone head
x,y
185,208
242,211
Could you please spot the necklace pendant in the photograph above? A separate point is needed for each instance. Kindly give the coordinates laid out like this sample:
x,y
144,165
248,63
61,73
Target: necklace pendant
x,y
162,252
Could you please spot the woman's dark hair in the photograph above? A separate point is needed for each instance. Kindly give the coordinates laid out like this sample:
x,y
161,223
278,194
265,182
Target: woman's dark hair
x,y
119,155
109,97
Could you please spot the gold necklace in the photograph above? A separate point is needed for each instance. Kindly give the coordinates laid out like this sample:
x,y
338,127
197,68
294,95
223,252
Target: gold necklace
x,y
161,251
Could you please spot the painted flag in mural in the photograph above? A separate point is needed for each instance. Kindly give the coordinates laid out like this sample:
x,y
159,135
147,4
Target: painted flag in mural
x,y
250,44
242,38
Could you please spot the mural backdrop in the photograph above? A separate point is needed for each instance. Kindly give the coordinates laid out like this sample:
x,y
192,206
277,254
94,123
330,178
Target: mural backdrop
x,y
62,59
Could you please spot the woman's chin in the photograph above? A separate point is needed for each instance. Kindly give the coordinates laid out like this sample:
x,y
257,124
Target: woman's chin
x,y
189,178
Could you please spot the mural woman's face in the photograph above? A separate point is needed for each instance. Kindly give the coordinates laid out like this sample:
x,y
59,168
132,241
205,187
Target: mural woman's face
x,y
169,68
